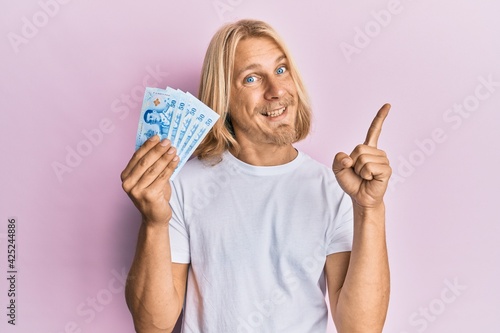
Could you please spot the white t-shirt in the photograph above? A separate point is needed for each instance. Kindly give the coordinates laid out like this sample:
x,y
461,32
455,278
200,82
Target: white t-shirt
x,y
257,239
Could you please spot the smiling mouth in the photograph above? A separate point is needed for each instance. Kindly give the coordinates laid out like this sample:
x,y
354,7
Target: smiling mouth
x,y
274,113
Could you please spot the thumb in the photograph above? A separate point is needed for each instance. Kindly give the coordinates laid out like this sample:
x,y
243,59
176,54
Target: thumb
x,y
340,162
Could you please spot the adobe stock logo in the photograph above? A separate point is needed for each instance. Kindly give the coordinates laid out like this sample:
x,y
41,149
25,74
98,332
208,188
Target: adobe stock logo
x,y
90,308
94,137
372,29
423,318
224,7
292,280
31,27
455,116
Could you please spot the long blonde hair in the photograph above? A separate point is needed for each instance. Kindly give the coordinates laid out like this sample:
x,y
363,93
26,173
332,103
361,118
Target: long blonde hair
x,y
215,85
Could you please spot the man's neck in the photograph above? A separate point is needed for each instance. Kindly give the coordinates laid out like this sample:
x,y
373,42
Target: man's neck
x,y
266,155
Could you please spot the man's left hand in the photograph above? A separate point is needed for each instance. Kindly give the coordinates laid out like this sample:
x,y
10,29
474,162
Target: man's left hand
x,y
365,173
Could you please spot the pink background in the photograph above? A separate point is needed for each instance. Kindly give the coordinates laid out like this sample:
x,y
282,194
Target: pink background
x,y
72,75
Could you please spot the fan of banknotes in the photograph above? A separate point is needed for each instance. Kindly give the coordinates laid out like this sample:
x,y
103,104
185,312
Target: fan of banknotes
x,y
177,116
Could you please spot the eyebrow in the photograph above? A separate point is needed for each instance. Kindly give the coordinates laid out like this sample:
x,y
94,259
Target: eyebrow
x,y
253,66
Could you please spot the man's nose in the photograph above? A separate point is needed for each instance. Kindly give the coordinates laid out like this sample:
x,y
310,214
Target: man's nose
x,y
274,89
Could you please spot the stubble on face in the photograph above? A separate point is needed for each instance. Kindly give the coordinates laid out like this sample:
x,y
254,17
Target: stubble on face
x,y
247,117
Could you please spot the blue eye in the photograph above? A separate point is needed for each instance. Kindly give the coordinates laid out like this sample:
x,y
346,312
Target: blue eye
x,y
281,70
250,79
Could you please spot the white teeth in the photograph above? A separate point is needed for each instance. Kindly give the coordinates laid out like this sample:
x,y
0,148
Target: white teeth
x,y
275,113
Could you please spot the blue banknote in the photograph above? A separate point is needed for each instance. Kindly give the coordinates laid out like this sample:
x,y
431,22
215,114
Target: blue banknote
x,y
156,115
177,116
186,120
205,123
195,117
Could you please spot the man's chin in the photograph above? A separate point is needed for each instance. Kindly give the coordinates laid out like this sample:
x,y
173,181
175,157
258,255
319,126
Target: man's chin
x,y
282,136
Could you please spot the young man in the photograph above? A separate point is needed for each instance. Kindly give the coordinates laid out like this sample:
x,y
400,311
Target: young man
x,y
250,233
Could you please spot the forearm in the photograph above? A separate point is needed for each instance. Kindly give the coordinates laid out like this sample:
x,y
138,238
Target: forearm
x,y
364,298
150,292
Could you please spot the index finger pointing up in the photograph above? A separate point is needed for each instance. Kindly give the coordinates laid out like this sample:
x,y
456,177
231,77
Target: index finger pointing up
x,y
376,126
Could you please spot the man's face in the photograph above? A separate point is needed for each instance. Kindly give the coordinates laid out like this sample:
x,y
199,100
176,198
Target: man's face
x,y
263,101
153,118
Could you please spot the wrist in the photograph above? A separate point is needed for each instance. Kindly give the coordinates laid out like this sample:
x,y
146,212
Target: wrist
x,y
377,208
154,225
365,214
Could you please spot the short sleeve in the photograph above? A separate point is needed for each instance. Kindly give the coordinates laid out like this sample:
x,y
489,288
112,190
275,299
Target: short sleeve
x,y
179,236
340,234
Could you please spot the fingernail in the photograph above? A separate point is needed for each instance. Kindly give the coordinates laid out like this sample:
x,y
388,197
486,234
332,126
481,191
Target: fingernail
x,y
170,150
175,158
165,142
345,162
154,138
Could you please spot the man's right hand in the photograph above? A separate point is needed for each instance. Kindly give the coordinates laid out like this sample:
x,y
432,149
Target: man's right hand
x,y
146,180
